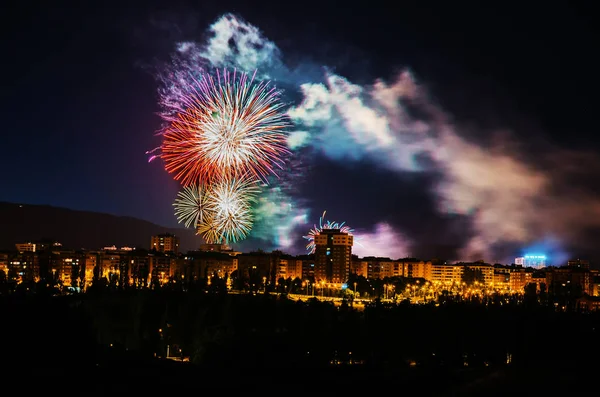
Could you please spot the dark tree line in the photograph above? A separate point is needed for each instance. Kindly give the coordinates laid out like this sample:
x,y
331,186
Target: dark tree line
x,y
239,330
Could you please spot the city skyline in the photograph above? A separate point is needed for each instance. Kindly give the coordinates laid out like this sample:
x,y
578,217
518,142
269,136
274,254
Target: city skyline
x,y
169,243
332,266
484,193
29,227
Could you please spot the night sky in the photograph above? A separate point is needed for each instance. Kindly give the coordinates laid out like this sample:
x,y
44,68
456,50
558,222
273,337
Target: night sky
x,y
79,110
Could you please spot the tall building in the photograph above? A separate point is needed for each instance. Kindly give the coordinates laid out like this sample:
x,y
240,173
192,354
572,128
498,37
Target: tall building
x,y
165,243
308,266
419,269
519,278
535,261
359,267
289,268
447,274
485,271
333,252
161,268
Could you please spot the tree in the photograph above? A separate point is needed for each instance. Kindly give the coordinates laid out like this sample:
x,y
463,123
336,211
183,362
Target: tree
x,y
3,283
348,295
281,284
360,283
218,284
530,296
296,285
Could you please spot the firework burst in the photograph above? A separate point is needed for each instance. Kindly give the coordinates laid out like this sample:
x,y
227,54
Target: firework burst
x,y
324,224
230,205
191,205
210,230
231,126
221,212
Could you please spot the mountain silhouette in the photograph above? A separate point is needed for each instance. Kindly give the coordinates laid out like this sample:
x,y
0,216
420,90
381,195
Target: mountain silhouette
x,y
81,229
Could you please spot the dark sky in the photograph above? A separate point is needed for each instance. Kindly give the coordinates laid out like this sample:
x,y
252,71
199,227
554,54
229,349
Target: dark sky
x,y
79,111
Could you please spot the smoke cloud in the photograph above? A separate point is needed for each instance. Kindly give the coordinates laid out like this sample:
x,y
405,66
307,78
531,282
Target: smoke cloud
x,y
383,241
510,199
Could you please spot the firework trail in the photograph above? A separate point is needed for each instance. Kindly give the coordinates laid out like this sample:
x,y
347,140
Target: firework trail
x,y
324,224
191,205
177,79
231,126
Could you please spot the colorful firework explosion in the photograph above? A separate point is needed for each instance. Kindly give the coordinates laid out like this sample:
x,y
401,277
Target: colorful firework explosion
x,y
209,230
223,136
230,205
191,205
221,212
324,224
231,125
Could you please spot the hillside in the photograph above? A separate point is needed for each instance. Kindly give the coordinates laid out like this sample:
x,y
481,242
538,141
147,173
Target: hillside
x,y
80,229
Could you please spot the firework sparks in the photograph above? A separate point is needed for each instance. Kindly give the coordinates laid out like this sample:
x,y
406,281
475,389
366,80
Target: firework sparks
x,y
324,224
221,212
230,204
209,230
191,205
231,125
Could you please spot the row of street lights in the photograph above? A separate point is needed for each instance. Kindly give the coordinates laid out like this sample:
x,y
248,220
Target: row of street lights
x,y
310,287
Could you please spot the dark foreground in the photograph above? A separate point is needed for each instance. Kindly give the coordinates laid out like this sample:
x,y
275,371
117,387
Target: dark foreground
x,y
105,344
122,377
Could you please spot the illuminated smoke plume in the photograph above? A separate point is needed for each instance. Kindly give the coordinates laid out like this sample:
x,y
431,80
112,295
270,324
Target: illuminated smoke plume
x,y
277,218
234,42
508,200
383,241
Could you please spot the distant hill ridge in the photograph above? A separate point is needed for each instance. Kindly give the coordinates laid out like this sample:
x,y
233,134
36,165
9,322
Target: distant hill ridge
x,y
81,229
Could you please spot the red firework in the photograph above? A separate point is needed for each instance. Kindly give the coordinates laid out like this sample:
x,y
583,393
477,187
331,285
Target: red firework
x,y
231,125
